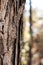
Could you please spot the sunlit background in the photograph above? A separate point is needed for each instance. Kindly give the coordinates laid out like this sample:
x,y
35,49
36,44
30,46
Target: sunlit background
x,y
37,31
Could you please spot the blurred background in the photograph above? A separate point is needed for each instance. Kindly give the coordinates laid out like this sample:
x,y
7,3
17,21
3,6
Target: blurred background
x,y
33,31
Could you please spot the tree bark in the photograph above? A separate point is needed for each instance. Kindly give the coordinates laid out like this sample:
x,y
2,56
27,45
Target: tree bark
x,y
9,21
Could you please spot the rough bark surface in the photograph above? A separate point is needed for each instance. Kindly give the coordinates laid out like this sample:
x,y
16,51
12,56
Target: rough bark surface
x,y
8,28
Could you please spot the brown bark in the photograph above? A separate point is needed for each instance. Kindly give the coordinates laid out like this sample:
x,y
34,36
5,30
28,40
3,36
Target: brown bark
x,y
9,21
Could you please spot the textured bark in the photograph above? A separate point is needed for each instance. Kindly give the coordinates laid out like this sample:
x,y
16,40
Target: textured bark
x,y
9,20
10,14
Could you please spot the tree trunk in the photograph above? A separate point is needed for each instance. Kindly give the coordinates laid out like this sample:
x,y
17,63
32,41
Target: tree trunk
x,y
8,30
